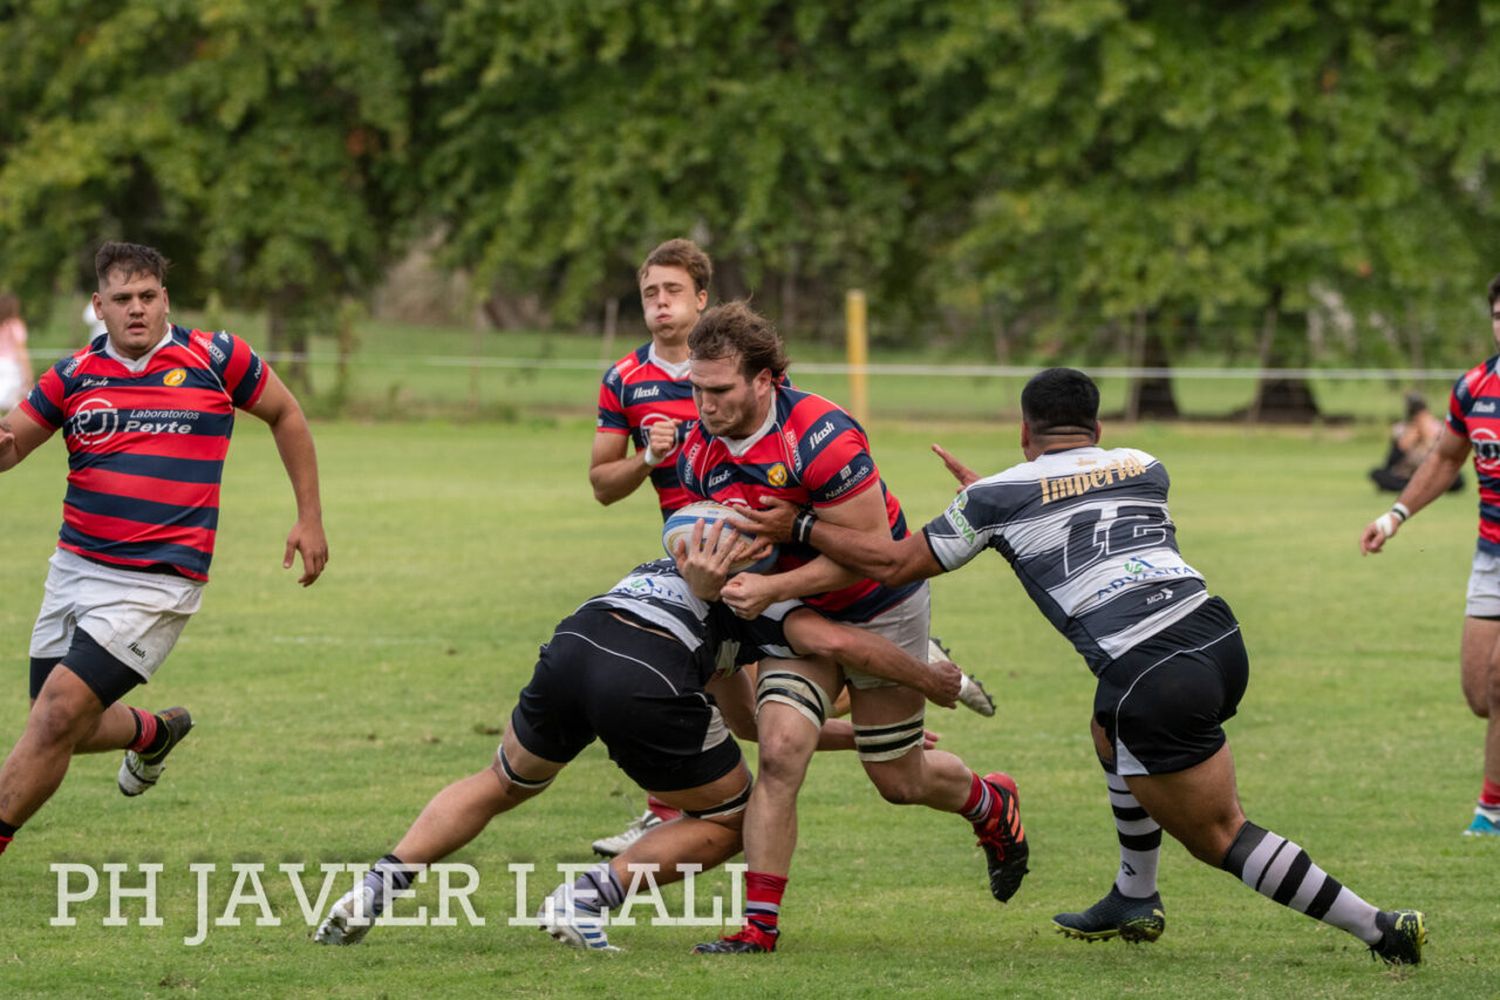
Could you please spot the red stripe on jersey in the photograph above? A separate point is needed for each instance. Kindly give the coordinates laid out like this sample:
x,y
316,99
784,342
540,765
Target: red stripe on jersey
x,y
149,443
636,393
121,530
1474,414
801,459
151,488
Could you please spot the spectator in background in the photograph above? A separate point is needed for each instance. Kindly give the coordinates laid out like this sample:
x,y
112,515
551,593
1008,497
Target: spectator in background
x,y
15,362
1411,440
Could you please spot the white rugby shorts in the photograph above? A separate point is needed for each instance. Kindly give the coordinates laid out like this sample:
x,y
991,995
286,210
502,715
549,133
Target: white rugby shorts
x,y
1483,599
906,625
135,616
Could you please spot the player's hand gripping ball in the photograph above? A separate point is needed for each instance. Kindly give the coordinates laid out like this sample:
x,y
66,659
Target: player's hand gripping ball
x,y
679,528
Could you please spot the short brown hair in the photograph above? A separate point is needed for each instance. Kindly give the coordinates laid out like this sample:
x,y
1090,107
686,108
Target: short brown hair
x,y
132,258
10,307
735,328
1494,290
684,254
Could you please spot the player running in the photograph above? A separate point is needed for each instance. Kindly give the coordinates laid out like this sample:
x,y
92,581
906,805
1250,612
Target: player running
x,y
646,668
146,411
757,435
1088,533
1474,423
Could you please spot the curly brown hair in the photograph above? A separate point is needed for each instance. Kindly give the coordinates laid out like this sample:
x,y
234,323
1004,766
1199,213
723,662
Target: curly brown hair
x,y
735,328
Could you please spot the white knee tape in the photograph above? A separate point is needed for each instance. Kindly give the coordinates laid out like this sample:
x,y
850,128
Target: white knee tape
x,y
788,688
877,743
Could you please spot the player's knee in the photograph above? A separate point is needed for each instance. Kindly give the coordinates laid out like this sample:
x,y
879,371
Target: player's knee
x,y
1480,697
59,721
784,753
1491,694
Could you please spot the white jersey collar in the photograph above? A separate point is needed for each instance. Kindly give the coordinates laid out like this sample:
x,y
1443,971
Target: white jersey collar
x,y
739,447
677,369
136,365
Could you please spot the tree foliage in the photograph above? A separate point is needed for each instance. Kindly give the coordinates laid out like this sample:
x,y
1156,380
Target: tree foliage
x,y
1261,179
263,146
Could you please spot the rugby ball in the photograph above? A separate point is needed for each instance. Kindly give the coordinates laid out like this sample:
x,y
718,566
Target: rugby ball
x,y
679,528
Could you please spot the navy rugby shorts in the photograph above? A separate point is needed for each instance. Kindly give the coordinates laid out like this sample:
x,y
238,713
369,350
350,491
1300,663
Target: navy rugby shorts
x,y
1164,702
639,692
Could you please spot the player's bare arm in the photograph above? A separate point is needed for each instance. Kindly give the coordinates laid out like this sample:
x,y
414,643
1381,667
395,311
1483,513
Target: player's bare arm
x,y
280,409
1430,481
704,559
865,553
19,437
871,653
749,594
614,473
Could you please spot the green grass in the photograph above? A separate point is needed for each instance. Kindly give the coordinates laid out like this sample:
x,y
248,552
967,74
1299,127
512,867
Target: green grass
x,y
327,717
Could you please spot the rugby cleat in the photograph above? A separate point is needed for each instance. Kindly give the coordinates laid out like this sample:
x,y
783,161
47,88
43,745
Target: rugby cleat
x,y
1116,915
971,693
573,922
139,772
1484,824
349,919
608,847
1402,935
749,941
1004,838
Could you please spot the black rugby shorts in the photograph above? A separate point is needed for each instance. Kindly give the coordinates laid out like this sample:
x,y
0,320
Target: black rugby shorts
x,y
639,692
1164,702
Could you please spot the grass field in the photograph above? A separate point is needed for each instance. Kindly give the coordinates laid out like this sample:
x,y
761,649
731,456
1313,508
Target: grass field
x,y
327,718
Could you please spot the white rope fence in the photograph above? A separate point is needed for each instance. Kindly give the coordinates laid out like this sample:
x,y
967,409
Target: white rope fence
x,y
925,370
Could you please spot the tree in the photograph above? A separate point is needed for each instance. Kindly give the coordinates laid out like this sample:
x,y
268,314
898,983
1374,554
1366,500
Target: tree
x,y
264,147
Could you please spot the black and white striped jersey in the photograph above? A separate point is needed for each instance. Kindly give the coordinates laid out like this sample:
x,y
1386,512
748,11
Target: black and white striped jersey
x,y
656,594
1088,533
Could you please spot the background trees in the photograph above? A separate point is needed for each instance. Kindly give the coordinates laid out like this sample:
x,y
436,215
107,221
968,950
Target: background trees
x,y
1275,182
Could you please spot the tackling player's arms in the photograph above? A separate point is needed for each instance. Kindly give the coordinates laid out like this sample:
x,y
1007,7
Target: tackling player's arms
x,y
19,437
864,552
862,514
870,653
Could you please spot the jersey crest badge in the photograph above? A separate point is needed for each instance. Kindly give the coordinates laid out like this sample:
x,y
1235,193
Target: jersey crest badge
x,y
175,377
776,476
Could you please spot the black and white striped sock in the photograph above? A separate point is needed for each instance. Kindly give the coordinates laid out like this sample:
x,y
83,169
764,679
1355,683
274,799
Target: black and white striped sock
x,y
1140,841
1280,870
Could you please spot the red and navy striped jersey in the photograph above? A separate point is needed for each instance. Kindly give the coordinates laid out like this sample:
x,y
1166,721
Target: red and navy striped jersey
x,y
146,448
1474,413
639,390
809,452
